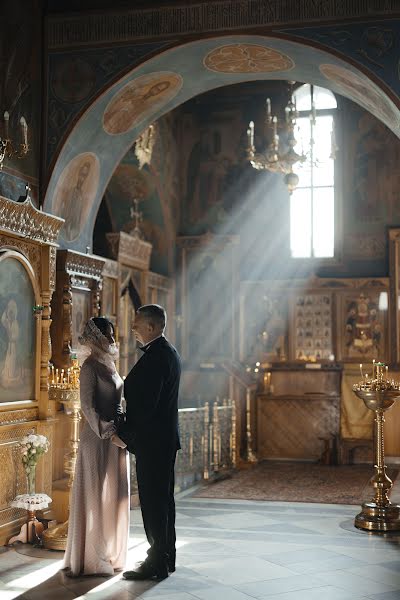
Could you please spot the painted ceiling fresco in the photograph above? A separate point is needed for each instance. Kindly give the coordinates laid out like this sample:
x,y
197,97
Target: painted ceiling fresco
x,y
373,46
198,66
247,58
76,78
138,100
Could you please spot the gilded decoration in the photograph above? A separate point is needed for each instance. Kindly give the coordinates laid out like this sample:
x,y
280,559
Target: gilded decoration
x,y
84,264
52,274
139,99
247,58
130,250
23,219
13,417
75,192
27,275
30,251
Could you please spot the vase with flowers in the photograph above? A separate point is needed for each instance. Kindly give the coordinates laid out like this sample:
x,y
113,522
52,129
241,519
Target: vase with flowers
x,y
32,447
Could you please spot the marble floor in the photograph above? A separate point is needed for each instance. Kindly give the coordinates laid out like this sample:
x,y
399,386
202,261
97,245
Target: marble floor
x,y
233,550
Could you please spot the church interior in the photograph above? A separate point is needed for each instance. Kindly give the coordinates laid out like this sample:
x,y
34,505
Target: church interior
x,y
237,163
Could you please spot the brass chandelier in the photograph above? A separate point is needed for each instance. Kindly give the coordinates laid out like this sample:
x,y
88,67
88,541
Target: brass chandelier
x,y
10,148
279,155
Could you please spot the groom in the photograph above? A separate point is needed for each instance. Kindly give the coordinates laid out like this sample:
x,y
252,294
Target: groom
x,y
151,433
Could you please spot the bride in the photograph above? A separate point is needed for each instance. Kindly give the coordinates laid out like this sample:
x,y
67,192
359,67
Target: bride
x,y
99,512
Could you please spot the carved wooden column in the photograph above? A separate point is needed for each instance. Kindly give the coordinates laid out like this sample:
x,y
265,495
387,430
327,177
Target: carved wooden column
x,y
133,256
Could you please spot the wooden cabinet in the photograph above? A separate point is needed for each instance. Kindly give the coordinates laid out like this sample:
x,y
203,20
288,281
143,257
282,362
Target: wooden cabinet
x,y
303,412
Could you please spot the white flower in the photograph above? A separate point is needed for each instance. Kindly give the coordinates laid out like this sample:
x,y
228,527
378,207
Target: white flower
x,y
33,451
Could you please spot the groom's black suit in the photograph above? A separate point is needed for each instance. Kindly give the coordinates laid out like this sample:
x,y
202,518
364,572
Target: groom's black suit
x,y
151,433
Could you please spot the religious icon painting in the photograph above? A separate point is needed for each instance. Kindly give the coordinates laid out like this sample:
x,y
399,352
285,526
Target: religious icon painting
x,y
311,346
80,313
75,192
363,326
264,332
17,331
140,99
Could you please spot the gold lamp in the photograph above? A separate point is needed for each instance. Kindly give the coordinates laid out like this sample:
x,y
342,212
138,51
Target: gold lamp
x,y
378,393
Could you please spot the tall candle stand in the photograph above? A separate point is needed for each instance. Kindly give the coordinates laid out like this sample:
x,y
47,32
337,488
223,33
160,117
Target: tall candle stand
x,y
64,388
378,393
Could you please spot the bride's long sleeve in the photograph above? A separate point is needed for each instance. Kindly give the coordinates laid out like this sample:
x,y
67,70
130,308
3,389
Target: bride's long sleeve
x,y
103,429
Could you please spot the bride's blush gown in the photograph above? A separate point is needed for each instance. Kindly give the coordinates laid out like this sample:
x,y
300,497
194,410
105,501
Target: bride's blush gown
x,y
99,512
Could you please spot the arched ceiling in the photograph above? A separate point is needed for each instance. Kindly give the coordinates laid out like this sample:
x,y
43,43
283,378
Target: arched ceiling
x,y
111,124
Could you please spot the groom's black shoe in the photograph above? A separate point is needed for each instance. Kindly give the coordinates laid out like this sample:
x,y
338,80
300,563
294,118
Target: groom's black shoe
x,y
171,561
148,570
171,566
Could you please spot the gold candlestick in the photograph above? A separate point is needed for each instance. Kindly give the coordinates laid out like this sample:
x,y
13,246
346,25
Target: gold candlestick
x,y
379,394
67,393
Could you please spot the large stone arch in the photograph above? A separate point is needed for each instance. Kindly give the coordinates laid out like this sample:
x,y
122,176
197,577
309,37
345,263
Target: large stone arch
x,y
107,129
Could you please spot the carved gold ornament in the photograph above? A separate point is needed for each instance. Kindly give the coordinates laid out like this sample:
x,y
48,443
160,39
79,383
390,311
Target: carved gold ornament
x,y
24,219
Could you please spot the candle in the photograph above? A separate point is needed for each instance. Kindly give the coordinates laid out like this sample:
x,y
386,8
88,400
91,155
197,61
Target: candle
x,y
251,129
268,101
386,369
379,370
373,368
24,128
275,123
361,370
6,120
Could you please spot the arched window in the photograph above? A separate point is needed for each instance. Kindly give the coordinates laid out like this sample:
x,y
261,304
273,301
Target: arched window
x,y
312,203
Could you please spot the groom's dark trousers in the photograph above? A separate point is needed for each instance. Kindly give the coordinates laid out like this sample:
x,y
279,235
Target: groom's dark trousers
x,y
151,433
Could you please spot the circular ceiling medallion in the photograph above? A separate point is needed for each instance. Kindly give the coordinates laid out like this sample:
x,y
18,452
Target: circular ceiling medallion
x,y
247,58
73,80
363,91
139,99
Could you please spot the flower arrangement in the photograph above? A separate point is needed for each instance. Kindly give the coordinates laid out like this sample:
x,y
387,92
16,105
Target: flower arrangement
x,y
32,447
